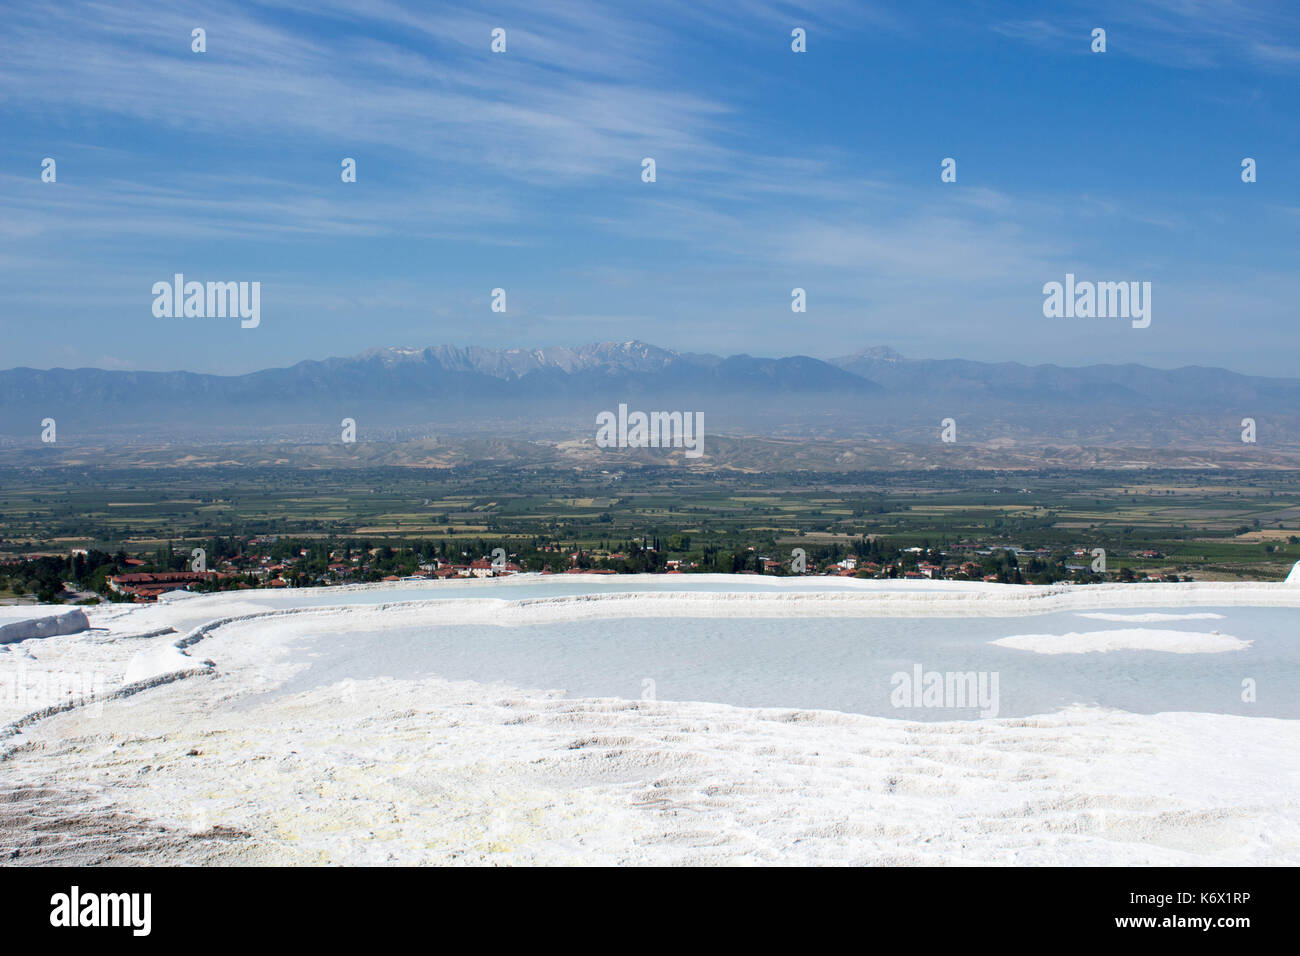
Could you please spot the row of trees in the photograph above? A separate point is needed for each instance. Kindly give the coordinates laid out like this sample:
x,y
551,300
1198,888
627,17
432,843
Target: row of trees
x,y
44,576
307,560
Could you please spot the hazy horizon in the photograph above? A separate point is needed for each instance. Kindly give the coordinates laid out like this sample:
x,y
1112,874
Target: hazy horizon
x,y
829,357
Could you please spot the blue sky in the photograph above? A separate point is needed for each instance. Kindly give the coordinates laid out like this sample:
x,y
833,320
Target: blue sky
x,y
522,170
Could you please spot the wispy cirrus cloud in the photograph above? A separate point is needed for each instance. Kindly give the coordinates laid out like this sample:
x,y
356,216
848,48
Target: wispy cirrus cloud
x,y
1187,34
523,170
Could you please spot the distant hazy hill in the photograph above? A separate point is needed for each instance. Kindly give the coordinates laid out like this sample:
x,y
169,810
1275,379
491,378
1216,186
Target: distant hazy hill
x,y
1193,388
872,389
398,384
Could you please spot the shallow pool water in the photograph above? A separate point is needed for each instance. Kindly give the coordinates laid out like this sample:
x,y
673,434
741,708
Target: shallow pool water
x,y
844,664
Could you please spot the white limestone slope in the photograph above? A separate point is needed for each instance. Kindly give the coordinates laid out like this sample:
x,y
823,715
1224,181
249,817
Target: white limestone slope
x,y
40,621
431,771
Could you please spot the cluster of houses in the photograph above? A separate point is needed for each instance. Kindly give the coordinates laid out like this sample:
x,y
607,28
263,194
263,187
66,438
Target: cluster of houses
x,y
851,567
440,569
147,585
341,569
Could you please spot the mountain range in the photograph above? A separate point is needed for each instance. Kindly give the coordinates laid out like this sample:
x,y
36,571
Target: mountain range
x,y
875,387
